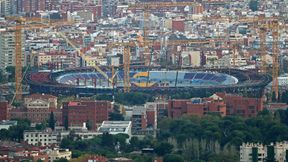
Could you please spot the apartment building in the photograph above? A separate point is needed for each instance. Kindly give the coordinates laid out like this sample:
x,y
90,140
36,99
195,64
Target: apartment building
x,y
255,152
41,138
7,49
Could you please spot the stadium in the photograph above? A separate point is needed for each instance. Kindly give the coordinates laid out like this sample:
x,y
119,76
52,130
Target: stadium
x,y
87,81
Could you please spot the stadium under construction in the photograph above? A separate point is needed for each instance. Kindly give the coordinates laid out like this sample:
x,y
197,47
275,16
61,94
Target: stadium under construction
x,y
87,81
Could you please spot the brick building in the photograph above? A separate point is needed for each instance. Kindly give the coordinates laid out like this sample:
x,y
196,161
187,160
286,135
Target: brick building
x,y
37,108
220,103
196,106
139,120
198,9
31,6
4,108
144,118
243,106
178,25
78,112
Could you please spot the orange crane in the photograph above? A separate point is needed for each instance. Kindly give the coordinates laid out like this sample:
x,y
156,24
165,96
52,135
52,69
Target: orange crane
x,y
82,55
265,24
275,54
126,62
145,6
25,24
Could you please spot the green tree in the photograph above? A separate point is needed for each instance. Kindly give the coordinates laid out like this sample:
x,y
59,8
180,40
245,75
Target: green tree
x,y
40,126
107,140
16,132
51,121
115,116
89,124
61,160
270,154
11,71
39,160
3,78
66,143
76,153
253,5
4,134
173,158
66,123
163,148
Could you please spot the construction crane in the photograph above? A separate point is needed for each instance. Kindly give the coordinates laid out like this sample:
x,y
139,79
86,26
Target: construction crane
x,y
275,53
21,24
145,6
82,55
264,25
126,62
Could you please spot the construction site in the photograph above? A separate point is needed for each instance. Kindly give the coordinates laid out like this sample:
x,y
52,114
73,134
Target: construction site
x,y
143,50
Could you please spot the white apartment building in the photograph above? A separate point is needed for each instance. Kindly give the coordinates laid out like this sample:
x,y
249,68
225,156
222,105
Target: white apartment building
x,y
7,49
5,7
42,138
249,152
57,154
248,149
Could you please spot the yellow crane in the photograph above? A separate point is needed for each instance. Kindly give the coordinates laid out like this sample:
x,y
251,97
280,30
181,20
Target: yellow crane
x,y
22,23
264,25
146,6
126,61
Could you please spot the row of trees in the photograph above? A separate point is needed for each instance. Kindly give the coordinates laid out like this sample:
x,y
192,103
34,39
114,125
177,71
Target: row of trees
x,y
215,137
211,138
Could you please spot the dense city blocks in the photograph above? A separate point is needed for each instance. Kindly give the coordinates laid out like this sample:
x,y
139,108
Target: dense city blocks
x,y
143,80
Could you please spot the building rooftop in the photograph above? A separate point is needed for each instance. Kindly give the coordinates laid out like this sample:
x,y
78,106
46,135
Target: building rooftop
x,y
8,122
115,126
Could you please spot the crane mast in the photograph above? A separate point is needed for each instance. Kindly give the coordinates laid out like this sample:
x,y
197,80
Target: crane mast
x,y
275,54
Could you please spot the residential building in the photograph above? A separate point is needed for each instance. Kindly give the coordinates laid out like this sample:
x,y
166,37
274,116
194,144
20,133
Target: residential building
x,y
92,112
139,120
191,58
5,7
7,49
31,6
109,8
151,114
196,106
160,106
41,138
116,127
219,103
12,151
43,59
178,25
56,154
255,152
199,9
144,118
30,156
243,106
